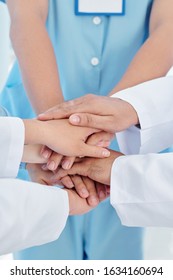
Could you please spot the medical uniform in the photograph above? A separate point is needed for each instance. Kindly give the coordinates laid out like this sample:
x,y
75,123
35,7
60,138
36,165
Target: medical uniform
x,y
142,185
30,214
92,52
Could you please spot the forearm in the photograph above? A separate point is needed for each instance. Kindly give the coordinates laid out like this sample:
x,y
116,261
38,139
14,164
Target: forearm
x,y
153,60
31,154
37,61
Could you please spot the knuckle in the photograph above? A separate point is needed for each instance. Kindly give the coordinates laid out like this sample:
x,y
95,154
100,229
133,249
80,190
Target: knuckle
x,y
88,119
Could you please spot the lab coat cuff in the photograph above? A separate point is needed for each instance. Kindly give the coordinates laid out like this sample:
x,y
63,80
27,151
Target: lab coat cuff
x,y
15,151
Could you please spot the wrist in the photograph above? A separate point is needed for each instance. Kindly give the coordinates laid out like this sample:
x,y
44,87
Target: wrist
x,y
34,132
126,114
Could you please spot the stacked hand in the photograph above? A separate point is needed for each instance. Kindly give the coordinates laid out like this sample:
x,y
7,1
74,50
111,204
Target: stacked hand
x,y
80,160
65,139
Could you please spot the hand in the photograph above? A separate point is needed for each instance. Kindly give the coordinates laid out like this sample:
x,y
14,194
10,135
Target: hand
x,y
63,138
38,175
100,139
77,205
98,170
101,112
85,188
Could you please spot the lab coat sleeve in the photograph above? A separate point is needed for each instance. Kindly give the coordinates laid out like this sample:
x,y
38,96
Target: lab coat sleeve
x,y
30,214
11,146
141,199
152,101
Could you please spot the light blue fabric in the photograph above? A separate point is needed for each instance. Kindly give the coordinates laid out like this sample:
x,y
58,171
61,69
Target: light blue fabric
x,y
3,112
76,40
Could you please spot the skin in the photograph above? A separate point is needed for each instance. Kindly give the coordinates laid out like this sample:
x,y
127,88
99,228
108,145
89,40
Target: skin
x,y
78,205
34,138
109,114
98,170
71,144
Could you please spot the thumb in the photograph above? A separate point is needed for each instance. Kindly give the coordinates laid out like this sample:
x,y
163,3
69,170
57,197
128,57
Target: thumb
x,y
93,121
94,151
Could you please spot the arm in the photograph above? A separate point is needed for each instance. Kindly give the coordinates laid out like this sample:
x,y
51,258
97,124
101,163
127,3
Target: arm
x,y
155,57
35,53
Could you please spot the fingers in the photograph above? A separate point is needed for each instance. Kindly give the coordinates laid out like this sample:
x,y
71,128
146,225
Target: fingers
x,y
54,161
67,182
77,168
80,186
102,191
62,110
92,198
65,109
45,152
101,139
105,123
94,151
67,162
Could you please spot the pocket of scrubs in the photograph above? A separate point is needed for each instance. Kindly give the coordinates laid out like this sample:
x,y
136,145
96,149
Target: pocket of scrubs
x,y
99,7
15,100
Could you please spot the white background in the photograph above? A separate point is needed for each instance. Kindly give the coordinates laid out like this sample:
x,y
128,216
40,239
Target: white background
x,y
158,242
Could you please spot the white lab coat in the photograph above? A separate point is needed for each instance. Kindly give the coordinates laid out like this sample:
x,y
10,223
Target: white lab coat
x,y
142,185
30,214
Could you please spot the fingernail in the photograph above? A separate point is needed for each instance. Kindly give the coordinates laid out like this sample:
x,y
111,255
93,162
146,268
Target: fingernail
x,y
66,164
103,143
75,119
105,153
44,167
94,201
102,195
84,192
51,165
69,184
41,114
46,154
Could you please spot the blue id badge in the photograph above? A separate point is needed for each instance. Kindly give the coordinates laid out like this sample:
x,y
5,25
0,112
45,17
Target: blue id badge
x,y
100,7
